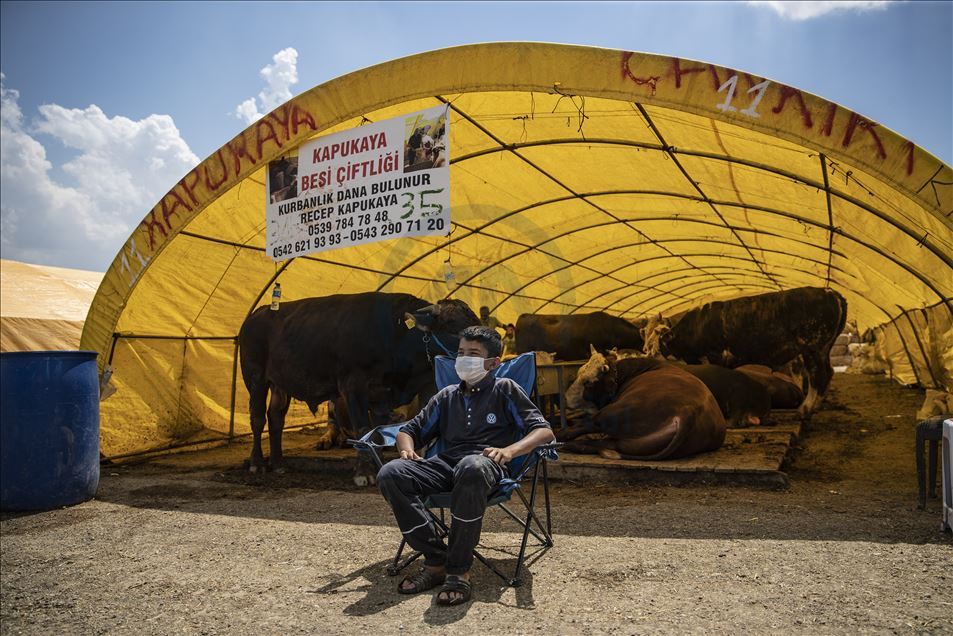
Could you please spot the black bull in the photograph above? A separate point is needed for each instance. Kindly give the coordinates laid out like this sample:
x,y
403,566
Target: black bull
x,y
356,346
770,329
570,336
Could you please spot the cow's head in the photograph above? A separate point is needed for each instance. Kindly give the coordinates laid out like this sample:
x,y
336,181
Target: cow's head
x,y
654,333
448,316
595,383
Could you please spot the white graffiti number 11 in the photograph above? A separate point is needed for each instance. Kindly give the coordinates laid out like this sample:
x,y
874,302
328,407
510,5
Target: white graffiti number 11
x,y
752,109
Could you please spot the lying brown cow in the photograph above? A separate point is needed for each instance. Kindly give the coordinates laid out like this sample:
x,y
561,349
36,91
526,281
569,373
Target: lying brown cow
x,y
744,401
785,394
648,409
768,329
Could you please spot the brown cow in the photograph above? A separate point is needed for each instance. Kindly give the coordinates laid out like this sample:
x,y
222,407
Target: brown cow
x,y
648,409
784,392
769,329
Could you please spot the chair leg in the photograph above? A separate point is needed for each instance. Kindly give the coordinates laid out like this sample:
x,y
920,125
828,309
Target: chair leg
x,y
400,550
545,538
933,447
549,516
921,471
487,563
394,569
541,538
529,517
531,514
396,566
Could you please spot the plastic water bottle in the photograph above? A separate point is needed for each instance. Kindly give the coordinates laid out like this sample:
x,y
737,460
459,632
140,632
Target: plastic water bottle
x,y
275,297
448,273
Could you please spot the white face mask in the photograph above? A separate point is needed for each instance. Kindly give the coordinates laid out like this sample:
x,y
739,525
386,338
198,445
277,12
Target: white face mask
x,y
470,369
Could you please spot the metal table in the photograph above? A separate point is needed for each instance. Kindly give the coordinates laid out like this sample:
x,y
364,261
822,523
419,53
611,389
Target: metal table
x,y
554,379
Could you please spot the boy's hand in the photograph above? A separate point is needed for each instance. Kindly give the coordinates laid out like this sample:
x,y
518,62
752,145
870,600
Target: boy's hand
x,y
500,455
410,454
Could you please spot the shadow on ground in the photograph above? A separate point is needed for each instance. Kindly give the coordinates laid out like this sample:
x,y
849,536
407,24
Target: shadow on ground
x,y
852,478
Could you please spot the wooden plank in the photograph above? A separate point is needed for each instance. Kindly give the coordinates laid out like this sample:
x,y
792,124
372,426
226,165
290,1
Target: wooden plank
x,y
751,456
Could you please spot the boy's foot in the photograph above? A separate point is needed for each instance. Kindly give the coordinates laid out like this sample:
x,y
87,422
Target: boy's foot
x,y
425,579
455,591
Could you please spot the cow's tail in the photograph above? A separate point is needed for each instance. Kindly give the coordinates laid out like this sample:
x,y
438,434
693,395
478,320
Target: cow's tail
x,y
253,362
678,441
576,430
682,433
842,307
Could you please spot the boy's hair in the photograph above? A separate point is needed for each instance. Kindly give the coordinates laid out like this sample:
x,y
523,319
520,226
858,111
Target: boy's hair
x,y
485,335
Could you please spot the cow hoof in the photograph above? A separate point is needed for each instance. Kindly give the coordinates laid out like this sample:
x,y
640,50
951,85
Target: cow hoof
x,y
608,453
364,480
280,470
254,468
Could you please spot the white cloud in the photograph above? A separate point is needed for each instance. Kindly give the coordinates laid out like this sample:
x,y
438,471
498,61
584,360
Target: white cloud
x,y
806,10
121,169
279,78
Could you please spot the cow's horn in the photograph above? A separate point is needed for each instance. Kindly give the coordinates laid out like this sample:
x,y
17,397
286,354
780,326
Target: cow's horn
x,y
425,317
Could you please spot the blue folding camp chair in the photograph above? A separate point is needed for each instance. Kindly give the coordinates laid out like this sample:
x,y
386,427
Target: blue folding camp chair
x,y
529,467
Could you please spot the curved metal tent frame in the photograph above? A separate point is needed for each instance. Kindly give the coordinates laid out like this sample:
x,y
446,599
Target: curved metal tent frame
x,y
583,179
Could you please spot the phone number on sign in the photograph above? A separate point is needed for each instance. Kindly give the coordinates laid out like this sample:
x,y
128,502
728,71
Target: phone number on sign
x,y
384,230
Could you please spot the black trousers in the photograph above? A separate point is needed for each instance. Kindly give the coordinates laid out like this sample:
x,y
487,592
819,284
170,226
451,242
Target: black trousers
x,y
405,483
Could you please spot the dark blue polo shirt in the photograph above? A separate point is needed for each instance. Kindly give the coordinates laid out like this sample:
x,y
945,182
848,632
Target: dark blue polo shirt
x,y
495,412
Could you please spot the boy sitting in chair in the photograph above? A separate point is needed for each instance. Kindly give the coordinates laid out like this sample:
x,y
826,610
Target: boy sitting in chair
x,y
477,420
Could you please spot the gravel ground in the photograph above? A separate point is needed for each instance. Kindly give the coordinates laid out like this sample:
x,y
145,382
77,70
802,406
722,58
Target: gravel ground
x,y
175,548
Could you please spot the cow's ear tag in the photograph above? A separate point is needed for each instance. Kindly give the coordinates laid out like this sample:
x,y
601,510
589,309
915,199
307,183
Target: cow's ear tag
x,y
410,321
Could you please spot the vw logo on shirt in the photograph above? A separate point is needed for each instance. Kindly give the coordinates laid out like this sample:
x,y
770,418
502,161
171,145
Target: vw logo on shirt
x,y
491,418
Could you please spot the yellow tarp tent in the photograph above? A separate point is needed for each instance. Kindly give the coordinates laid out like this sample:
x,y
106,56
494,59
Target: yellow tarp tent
x,y
582,179
43,308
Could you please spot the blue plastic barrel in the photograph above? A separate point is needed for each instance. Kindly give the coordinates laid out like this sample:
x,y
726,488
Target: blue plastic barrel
x,y
49,428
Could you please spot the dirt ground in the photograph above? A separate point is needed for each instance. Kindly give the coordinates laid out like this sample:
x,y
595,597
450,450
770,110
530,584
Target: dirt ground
x,y
188,547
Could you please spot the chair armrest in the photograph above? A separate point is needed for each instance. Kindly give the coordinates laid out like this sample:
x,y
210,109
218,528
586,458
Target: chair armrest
x,y
548,451
387,434
360,444
538,454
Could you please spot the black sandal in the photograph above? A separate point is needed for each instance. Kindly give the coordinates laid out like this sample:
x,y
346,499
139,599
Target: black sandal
x,y
422,581
454,584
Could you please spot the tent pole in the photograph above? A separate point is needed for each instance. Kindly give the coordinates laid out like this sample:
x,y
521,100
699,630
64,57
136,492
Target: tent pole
x,y
906,349
923,351
231,415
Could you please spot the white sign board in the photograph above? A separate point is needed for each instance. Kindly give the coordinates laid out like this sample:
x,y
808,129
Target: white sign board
x,y
375,182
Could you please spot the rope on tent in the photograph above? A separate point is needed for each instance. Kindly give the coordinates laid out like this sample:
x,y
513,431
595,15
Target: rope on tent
x,y
830,219
923,352
558,182
670,150
580,108
938,251
641,284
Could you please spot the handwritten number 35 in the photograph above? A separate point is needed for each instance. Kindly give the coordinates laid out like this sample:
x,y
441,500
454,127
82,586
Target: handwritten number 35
x,y
426,209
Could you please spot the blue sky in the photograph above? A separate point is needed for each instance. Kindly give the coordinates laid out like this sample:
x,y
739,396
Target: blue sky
x,y
106,105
